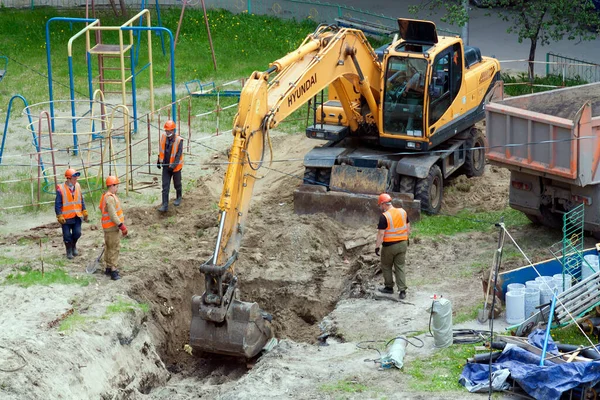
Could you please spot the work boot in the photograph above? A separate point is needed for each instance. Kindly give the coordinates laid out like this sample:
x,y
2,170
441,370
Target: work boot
x,y
107,271
386,290
164,207
177,202
402,294
114,275
75,252
69,250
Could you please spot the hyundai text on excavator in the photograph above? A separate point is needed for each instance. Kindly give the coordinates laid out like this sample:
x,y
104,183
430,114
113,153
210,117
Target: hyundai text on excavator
x,y
399,120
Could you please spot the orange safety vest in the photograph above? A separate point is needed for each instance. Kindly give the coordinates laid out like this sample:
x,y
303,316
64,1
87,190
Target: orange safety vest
x,y
396,225
71,202
106,221
161,154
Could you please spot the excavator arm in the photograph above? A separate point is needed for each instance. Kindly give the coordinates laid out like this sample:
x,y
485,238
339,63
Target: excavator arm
x,y
329,56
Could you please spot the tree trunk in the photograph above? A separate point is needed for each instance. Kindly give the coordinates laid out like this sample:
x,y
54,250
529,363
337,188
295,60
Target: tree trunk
x,y
532,48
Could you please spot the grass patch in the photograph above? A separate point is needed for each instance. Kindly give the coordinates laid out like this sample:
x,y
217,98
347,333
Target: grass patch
x,y
121,306
569,335
27,277
344,386
74,321
440,372
467,221
553,80
5,260
468,314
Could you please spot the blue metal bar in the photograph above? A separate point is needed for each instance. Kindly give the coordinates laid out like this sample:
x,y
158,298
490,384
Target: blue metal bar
x,y
35,142
171,41
72,96
49,59
547,336
162,38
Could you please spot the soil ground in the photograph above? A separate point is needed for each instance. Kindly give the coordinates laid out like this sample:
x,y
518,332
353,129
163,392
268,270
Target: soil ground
x,y
296,267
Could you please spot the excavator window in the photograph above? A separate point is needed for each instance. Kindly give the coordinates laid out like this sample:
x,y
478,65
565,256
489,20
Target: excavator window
x,y
404,96
445,82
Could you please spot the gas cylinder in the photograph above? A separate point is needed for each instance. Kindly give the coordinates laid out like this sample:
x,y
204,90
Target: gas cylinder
x,y
441,322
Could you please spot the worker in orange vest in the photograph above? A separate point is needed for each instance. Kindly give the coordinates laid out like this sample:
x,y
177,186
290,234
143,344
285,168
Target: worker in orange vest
x,y
170,158
392,232
112,221
70,210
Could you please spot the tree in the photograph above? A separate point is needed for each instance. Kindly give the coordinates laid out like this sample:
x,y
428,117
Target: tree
x,y
539,21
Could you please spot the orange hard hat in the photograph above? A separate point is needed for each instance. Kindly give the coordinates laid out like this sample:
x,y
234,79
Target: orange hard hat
x,y
384,198
112,180
170,125
69,173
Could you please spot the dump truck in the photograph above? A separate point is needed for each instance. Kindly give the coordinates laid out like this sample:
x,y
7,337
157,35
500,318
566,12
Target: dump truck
x,y
550,142
400,121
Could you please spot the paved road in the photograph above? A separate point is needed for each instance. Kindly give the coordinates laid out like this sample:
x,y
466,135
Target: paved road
x,y
488,32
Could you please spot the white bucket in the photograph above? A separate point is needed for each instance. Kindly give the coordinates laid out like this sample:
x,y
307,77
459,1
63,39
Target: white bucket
x,y
546,282
533,284
514,286
560,284
515,307
532,300
592,268
546,295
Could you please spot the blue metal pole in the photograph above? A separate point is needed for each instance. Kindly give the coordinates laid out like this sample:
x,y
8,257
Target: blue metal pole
x,y
49,59
73,112
547,336
171,41
35,142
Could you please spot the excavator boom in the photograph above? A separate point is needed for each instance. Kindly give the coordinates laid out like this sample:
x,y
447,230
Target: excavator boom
x,y
220,322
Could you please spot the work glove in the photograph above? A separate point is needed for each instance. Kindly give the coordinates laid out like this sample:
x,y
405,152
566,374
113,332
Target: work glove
x,y
377,251
61,220
123,229
158,164
85,215
171,167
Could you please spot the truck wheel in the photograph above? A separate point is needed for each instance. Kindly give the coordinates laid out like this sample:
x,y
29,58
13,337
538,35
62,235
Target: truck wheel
x,y
550,219
475,159
533,218
310,176
407,184
430,190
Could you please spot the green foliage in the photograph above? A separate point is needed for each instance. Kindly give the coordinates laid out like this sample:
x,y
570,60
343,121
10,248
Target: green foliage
x,y
465,221
516,85
5,260
344,386
469,314
441,371
570,335
122,306
28,277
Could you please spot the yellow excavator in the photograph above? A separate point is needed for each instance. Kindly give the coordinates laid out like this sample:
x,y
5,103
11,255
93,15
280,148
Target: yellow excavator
x,y
399,119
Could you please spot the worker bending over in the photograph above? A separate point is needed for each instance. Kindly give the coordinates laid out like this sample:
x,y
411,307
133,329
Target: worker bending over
x,y
112,221
70,210
393,231
170,158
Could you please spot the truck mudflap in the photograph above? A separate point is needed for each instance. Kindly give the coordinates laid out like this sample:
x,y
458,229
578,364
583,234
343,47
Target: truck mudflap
x,y
244,332
349,208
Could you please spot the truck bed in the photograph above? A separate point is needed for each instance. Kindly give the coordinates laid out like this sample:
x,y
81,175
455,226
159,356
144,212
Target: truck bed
x,y
553,134
562,103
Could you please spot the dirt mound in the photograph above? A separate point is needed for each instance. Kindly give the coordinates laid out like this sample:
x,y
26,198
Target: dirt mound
x,y
485,193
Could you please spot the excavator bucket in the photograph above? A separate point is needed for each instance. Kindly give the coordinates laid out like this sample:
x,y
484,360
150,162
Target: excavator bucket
x,y
243,333
349,208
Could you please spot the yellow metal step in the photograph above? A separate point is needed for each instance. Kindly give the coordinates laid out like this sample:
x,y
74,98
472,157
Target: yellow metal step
x,y
109,49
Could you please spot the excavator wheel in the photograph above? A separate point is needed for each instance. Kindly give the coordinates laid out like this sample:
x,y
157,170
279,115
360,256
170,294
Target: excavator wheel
x,y
475,161
430,190
310,176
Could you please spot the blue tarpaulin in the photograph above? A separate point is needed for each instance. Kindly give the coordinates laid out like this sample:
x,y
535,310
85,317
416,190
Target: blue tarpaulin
x,y
547,382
